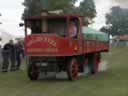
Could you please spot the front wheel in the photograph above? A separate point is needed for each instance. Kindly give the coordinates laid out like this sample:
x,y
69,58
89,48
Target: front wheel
x,y
72,69
33,72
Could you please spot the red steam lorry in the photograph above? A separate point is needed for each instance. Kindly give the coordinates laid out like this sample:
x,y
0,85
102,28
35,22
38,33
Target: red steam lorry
x,y
51,46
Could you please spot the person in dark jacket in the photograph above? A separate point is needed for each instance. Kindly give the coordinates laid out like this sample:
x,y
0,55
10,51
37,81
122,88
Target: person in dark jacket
x,y
19,54
8,56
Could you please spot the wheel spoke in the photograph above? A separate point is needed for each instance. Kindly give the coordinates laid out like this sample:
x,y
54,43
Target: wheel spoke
x,y
73,69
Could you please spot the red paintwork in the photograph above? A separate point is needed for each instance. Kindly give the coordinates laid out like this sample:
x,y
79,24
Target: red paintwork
x,y
49,45
95,46
54,45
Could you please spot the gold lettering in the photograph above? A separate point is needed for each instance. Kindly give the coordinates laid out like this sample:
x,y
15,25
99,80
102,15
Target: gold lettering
x,y
41,39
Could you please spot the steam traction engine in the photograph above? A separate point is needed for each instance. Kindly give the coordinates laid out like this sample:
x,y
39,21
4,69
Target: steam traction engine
x,y
50,46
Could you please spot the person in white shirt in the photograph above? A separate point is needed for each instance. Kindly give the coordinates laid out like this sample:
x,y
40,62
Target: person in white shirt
x,y
73,29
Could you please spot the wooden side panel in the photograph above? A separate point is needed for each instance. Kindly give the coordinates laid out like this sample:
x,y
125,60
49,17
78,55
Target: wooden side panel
x,y
91,46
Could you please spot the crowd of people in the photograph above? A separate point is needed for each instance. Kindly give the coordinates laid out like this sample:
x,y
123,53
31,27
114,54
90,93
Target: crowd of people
x,y
11,55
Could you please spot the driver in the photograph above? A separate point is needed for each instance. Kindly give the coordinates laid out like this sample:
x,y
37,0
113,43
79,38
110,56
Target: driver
x,y
73,29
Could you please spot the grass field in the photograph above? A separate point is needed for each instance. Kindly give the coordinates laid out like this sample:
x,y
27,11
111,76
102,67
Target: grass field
x,y
113,82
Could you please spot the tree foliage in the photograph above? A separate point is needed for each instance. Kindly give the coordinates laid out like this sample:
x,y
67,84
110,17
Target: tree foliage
x,y
117,21
86,8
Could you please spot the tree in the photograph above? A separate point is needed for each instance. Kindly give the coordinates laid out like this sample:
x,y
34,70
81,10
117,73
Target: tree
x,y
117,21
86,8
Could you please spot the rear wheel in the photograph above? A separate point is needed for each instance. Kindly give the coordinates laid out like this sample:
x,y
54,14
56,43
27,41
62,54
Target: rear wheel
x,y
72,69
33,72
95,65
86,66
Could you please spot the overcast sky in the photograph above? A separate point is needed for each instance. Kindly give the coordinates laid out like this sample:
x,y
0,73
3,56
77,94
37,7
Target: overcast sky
x,y
12,10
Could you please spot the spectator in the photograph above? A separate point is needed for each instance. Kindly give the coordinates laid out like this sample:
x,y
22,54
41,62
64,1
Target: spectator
x,y
19,54
8,56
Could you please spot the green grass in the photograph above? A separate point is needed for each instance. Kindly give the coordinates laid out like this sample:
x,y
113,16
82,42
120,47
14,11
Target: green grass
x,y
113,82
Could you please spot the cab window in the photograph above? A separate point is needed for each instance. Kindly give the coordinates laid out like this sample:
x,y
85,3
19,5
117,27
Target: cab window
x,y
57,26
34,26
74,28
